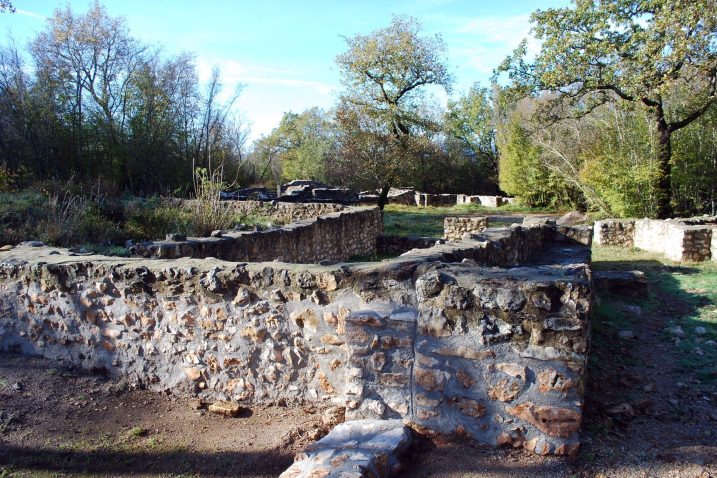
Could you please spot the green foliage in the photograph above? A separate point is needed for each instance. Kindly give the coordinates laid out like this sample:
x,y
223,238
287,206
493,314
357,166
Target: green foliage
x,y
299,146
695,166
153,219
207,212
470,120
99,105
619,163
522,173
629,50
385,115
13,179
102,225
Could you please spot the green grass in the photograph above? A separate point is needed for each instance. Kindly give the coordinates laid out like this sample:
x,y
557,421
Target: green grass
x,y
401,220
686,292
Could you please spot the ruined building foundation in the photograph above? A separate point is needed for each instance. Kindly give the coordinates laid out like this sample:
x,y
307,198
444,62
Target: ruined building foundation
x,y
485,337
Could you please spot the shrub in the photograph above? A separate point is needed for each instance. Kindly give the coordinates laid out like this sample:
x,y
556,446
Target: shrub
x,y
207,211
156,218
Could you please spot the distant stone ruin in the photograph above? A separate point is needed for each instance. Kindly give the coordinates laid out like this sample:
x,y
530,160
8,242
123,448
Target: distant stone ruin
x,y
488,201
310,191
486,336
454,228
331,237
679,239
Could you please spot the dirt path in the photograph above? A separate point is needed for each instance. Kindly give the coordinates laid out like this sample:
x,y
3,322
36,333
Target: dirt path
x,y
55,421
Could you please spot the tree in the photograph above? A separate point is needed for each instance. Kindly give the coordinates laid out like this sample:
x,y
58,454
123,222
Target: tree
x,y
6,6
302,143
522,172
600,51
470,121
385,74
94,59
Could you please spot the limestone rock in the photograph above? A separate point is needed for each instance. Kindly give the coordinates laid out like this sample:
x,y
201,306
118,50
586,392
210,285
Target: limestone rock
x,y
551,380
431,380
555,421
573,218
505,390
357,449
468,407
228,409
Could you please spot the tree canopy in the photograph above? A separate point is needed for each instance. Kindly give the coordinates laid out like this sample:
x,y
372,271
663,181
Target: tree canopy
x,y
599,51
385,74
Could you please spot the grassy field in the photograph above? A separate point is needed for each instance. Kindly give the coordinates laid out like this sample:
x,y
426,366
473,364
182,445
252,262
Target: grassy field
x,y
682,295
400,220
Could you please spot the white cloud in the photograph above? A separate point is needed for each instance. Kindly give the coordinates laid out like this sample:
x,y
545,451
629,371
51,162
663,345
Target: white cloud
x,y
269,91
480,44
27,13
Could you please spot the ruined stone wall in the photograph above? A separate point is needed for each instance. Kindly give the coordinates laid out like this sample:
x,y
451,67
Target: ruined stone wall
x,y
425,199
455,227
495,355
488,201
407,197
332,237
282,212
432,336
209,328
615,232
677,241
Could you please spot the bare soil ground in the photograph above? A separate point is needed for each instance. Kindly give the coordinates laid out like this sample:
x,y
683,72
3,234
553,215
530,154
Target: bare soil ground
x,y
651,409
56,421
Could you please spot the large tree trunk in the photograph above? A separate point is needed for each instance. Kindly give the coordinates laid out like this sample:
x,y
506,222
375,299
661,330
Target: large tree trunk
x,y
664,182
383,197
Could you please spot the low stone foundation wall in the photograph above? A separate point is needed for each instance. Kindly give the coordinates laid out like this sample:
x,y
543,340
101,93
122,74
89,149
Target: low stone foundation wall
x,y
689,240
424,199
332,237
406,197
488,201
677,241
455,227
615,232
282,212
432,337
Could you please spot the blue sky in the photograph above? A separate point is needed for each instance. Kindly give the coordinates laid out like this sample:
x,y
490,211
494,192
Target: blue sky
x,y
283,51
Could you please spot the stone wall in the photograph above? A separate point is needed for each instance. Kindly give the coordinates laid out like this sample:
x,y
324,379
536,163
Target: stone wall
x,y
488,201
425,199
455,227
678,239
431,336
615,232
332,237
407,197
282,212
